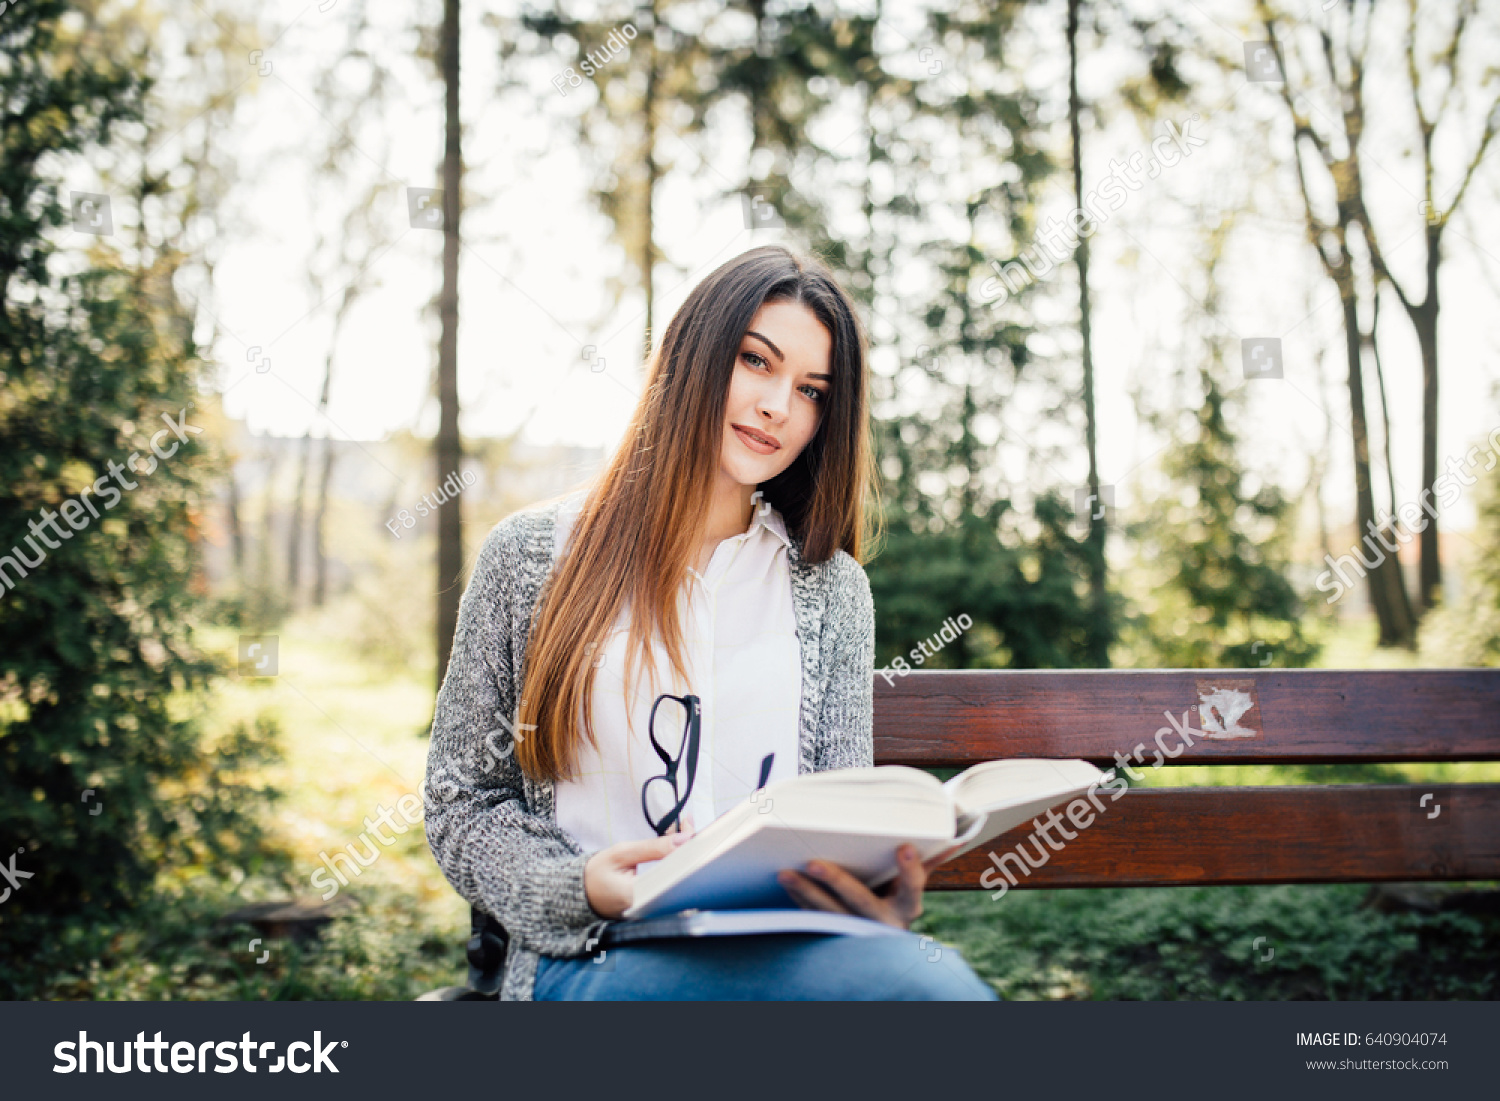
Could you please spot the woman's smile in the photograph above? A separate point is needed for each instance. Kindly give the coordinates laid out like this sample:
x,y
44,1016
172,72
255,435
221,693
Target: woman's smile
x,y
762,443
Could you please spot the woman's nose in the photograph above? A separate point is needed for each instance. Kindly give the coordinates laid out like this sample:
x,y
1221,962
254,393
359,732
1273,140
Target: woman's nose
x,y
772,403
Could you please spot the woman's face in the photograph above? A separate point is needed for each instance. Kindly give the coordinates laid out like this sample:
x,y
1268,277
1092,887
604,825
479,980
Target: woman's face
x,y
781,380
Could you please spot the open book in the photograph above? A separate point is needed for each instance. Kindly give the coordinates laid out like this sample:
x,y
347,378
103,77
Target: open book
x,y
855,818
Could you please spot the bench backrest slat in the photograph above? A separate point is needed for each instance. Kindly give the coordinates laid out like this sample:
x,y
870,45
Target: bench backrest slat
x,y
1249,716
1316,834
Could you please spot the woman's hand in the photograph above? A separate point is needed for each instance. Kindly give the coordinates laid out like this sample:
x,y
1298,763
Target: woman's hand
x,y
609,875
828,887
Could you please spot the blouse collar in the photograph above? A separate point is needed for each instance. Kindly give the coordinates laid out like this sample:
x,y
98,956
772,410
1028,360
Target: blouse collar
x,y
765,515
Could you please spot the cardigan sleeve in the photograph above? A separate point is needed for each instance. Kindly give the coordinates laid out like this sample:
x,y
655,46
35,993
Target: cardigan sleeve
x,y
514,864
846,724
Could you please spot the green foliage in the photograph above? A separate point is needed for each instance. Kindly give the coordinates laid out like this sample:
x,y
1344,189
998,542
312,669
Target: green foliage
x,y
1178,943
951,552
60,96
1467,631
1212,556
780,66
1216,559
1023,596
104,781
957,541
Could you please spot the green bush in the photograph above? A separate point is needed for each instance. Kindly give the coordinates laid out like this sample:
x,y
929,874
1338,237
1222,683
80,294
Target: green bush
x,y
105,780
1467,630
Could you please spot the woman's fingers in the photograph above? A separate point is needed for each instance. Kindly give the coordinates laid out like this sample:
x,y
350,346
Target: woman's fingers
x,y
856,897
807,894
827,886
604,886
911,878
609,874
628,854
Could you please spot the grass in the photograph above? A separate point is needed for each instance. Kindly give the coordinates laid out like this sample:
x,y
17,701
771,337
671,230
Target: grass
x,y
1218,943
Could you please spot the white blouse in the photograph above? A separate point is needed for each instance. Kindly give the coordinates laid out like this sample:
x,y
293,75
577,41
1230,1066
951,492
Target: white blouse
x,y
743,662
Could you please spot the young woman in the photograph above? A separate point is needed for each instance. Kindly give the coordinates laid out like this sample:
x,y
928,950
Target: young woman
x,y
646,653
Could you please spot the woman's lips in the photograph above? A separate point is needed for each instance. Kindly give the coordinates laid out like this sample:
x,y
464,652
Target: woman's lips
x,y
755,442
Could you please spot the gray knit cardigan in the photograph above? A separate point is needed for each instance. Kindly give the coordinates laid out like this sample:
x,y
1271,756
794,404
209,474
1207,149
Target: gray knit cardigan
x,y
494,831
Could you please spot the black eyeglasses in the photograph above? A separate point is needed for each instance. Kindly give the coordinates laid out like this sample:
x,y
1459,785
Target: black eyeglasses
x,y
664,790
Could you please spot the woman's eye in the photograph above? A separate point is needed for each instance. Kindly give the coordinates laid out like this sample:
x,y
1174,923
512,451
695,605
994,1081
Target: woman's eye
x,y
814,393
754,359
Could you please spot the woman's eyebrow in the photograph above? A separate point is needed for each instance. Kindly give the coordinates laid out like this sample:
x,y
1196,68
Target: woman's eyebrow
x,y
769,344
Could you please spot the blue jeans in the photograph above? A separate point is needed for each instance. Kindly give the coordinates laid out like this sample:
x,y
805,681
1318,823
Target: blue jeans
x,y
766,967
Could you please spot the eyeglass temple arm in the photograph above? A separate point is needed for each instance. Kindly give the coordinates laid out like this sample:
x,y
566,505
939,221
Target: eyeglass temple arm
x,y
765,770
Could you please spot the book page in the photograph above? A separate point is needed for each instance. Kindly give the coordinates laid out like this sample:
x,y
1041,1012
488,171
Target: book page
x,y
995,785
998,796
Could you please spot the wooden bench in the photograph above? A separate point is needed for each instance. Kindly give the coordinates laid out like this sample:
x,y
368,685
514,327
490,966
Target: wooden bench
x,y
1164,837
1169,837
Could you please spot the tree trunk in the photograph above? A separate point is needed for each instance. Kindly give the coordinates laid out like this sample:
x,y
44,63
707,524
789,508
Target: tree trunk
x,y
320,564
320,552
1371,341
1322,459
1387,593
1099,626
449,447
1424,320
653,172
265,608
236,531
294,524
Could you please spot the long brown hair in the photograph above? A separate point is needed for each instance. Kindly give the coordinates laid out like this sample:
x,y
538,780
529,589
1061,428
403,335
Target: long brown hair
x,y
641,523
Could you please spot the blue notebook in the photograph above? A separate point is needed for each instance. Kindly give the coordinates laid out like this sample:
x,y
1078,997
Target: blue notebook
x,y
732,923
